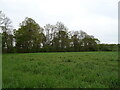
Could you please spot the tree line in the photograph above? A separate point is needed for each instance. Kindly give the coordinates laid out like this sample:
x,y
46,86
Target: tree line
x,y
31,37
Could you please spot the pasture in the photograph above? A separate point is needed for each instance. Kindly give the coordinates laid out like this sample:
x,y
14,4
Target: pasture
x,y
60,70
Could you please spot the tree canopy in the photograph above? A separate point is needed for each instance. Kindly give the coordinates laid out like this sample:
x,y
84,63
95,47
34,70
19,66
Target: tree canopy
x,y
31,37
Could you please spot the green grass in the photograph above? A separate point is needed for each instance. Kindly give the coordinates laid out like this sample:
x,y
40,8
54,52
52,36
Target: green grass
x,y
0,70
61,70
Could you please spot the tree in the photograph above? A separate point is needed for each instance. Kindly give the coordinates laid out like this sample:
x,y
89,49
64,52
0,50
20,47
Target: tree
x,y
6,29
48,30
29,36
90,43
60,40
75,41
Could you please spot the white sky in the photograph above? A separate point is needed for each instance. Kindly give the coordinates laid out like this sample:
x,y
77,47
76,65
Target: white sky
x,y
96,17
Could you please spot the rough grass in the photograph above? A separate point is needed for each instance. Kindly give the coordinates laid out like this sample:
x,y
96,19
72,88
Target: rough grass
x,y
61,70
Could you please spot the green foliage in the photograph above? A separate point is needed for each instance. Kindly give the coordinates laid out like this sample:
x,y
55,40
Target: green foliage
x,y
61,70
6,33
108,47
29,36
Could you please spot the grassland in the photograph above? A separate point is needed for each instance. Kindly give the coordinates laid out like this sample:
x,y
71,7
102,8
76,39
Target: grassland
x,y
61,70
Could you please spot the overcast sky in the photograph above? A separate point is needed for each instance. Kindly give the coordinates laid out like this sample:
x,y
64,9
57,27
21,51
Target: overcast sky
x,y
96,17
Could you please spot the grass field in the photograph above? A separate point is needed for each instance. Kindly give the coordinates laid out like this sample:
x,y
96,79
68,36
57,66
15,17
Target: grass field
x,y
60,70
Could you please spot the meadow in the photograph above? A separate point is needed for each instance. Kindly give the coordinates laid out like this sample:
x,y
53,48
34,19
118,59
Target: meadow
x,y
60,70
